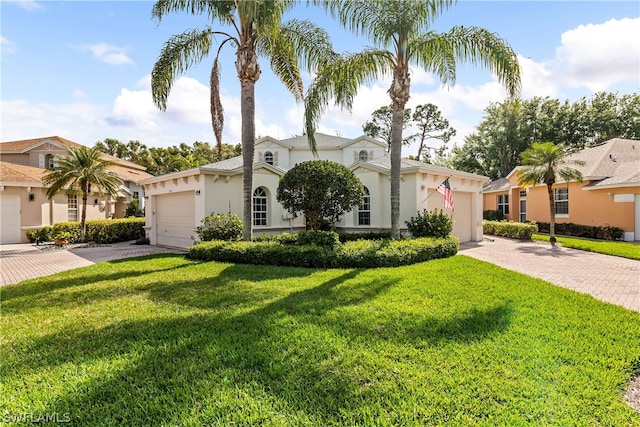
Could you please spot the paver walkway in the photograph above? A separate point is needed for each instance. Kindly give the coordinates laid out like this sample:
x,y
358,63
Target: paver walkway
x,y
25,261
607,278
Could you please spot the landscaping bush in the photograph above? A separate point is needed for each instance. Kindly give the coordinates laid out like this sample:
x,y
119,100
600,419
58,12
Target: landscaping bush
x,y
115,230
430,224
103,230
220,226
355,254
510,229
133,209
588,231
43,234
366,235
71,227
492,215
283,239
320,238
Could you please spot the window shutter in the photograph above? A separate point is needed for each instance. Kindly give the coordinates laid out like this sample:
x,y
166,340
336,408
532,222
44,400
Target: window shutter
x,y
260,157
41,164
355,156
371,155
275,159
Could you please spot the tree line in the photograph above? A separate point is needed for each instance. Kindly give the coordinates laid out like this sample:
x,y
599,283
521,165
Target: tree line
x,y
160,160
512,126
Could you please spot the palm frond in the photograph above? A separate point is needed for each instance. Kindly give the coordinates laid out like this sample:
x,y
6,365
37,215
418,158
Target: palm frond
x,y
217,111
220,11
439,52
340,80
177,55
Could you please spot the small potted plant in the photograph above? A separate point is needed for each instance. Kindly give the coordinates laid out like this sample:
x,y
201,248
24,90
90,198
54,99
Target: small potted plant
x,y
62,238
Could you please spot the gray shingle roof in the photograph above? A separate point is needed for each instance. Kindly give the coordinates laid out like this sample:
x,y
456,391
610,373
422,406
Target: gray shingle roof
x,y
385,163
499,184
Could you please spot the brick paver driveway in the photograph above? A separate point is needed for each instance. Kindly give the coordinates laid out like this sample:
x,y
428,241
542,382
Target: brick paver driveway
x,y
607,278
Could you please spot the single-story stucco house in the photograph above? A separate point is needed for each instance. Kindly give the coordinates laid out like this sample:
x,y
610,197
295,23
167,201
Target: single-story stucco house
x,y
609,194
24,204
177,202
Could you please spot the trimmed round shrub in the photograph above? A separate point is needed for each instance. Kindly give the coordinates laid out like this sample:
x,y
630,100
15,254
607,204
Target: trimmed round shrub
x,y
320,238
430,224
220,226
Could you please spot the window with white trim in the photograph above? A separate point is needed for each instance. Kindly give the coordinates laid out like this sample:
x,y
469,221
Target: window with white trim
x,y
136,195
268,157
72,207
364,210
260,207
363,156
561,200
503,203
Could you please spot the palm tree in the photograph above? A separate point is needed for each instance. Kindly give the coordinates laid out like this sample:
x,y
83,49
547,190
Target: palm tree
x,y
255,30
79,171
401,29
544,163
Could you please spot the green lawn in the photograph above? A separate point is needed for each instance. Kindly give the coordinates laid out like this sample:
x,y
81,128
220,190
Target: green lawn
x,y
620,249
164,341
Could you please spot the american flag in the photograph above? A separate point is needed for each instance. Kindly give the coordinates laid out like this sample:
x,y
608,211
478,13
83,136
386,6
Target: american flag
x,y
445,190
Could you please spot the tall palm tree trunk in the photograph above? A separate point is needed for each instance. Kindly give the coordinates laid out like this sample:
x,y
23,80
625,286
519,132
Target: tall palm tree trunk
x,y
399,93
83,218
248,72
552,215
395,152
247,110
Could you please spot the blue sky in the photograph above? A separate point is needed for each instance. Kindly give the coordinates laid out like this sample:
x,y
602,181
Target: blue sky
x,y
81,70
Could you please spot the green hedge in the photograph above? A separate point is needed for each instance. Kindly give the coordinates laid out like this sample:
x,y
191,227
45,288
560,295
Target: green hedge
x,y
104,230
356,254
588,231
492,215
513,230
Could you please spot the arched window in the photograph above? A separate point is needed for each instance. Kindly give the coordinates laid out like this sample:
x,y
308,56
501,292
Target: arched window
x,y
268,157
259,207
364,210
363,156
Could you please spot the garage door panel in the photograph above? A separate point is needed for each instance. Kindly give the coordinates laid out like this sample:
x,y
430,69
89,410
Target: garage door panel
x,y
10,223
175,219
462,217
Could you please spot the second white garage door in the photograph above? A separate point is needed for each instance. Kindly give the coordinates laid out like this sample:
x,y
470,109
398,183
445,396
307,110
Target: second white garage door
x,y
10,220
463,217
175,219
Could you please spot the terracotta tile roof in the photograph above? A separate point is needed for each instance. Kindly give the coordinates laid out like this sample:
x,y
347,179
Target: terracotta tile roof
x,y
130,174
25,144
12,173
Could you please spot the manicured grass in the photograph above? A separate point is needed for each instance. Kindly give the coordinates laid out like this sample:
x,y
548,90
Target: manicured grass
x,y
164,341
621,249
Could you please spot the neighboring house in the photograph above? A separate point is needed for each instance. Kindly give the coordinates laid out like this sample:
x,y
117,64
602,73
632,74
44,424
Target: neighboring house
x,y
23,201
177,202
609,194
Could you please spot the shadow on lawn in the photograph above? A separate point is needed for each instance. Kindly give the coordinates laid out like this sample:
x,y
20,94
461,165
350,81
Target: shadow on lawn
x,y
86,275
296,354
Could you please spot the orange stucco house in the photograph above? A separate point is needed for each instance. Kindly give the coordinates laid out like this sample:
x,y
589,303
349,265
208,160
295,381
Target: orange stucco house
x,y
609,194
24,204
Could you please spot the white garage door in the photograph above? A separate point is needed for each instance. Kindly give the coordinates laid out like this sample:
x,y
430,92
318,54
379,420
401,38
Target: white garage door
x,y
175,219
462,217
10,220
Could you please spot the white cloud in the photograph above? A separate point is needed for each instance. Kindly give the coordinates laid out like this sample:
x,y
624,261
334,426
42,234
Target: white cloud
x,y
30,5
598,56
109,54
7,45
538,78
79,94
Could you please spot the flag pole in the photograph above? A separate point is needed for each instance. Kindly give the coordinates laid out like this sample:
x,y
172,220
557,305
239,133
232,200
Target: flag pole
x,y
429,195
